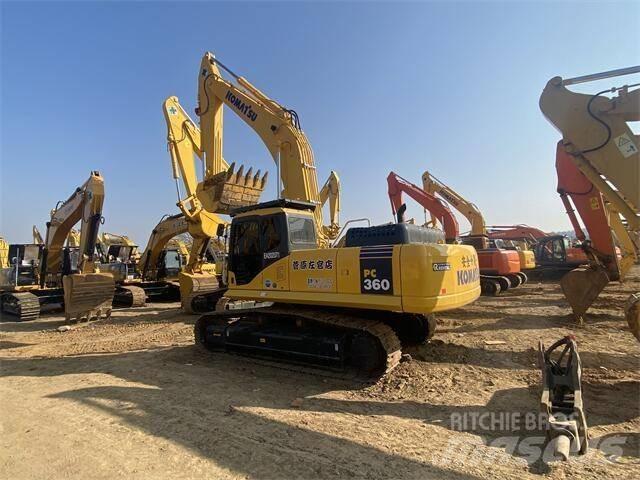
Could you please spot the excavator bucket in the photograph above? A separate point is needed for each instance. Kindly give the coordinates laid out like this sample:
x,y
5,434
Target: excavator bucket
x,y
194,284
582,286
228,190
88,296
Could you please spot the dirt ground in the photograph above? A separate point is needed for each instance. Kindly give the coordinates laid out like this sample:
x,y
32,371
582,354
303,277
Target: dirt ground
x,y
133,397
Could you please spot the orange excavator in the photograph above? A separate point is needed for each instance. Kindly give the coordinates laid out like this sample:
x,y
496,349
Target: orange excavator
x,y
499,269
552,252
598,167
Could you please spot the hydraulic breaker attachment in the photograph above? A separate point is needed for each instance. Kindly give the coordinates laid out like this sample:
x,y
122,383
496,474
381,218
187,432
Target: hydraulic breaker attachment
x,y
582,286
229,189
632,314
561,399
88,296
193,285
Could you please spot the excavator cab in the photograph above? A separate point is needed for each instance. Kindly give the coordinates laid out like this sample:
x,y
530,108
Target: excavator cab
x,y
259,240
24,261
170,263
556,251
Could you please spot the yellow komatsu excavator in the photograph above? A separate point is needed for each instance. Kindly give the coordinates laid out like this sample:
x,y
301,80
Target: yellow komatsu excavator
x,y
51,273
293,298
598,167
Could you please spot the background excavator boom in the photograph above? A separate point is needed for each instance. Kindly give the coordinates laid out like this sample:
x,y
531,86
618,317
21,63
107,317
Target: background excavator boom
x,y
398,185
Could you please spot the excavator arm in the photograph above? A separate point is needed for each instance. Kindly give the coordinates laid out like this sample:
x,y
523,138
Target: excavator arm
x,y
279,129
472,213
199,214
598,166
516,232
330,192
164,231
398,185
85,205
87,294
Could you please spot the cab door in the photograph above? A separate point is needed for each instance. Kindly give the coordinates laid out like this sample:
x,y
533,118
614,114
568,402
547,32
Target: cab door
x,y
274,238
245,259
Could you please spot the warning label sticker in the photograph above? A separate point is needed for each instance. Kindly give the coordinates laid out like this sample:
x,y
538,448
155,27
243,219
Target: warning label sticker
x,y
625,145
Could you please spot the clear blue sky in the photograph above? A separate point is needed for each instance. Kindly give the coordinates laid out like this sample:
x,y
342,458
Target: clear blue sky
x,y
449,87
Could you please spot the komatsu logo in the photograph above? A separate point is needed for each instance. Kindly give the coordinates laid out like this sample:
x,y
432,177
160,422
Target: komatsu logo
x,y
465,277
448,198
241,106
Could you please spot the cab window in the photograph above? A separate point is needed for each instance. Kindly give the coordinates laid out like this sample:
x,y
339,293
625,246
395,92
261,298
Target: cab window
x,y
302,232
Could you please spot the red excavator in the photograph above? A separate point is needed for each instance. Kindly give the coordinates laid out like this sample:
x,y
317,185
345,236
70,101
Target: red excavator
x,y
499,269
552,252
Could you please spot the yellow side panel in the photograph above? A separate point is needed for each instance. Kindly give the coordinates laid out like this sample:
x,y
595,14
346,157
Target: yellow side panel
x,y
414,278
527,259
313,271
349,270
438,277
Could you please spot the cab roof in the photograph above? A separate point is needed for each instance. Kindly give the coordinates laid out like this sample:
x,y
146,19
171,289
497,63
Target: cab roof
x,y
280,203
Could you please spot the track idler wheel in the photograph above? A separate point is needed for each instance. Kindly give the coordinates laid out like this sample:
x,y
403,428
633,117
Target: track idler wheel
x,y
490,287
414,329
523,277
366,354
504,282
515,280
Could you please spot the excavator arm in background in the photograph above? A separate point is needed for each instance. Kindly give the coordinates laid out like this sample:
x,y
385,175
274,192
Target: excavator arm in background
x,y
478,234
598,165
73,239
166,229
330,192
37,237
398,185
87,294
516,232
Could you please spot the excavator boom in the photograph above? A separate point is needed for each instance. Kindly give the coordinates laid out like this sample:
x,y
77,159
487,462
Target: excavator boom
x,y
397,186
598,166
166,229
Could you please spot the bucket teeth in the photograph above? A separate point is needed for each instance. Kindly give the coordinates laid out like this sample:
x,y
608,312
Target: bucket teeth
x,y
88,296
247,178
232,189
